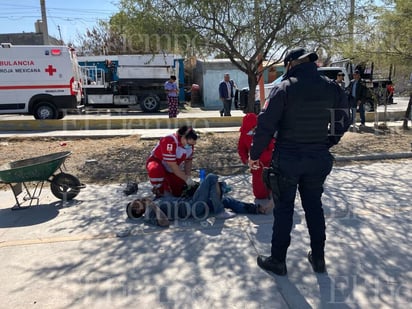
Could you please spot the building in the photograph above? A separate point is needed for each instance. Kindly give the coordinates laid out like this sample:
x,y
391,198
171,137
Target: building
x,y
209,73
28,38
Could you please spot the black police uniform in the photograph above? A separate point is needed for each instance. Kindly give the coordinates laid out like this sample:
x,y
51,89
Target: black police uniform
x,y
309,114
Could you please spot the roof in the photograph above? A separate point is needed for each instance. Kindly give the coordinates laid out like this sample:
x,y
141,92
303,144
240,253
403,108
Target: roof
x,y
27,38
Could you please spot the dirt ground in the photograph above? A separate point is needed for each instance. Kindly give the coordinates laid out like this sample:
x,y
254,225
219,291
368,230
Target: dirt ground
x,y
122,159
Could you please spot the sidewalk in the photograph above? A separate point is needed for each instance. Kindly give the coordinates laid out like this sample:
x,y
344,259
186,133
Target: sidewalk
x,y
87,254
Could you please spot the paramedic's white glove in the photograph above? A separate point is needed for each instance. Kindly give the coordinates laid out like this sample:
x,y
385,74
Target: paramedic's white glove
x,y
190,182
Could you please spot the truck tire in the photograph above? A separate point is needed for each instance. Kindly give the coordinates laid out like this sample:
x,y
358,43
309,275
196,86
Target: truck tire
x,y
150,104
45,110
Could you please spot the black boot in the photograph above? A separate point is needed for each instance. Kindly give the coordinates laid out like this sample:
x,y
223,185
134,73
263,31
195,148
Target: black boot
x,y
318,264
271,264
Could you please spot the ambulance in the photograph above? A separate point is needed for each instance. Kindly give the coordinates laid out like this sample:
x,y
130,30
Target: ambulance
x,y
39,80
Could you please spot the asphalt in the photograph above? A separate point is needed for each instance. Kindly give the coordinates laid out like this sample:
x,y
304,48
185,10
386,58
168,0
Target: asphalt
x,y
85,253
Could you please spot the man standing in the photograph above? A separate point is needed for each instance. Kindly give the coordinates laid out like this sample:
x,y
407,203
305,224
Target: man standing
x,y
340,80
226,94
310,113
357,95
172,99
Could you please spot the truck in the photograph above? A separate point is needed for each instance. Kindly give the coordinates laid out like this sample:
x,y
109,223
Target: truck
x,y
39,80
128,81
380,88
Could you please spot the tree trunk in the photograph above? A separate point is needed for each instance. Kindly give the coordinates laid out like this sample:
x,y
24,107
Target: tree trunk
x,y
407,113
250,108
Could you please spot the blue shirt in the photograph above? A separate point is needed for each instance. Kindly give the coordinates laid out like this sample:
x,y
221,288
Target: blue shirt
x,y
171,86
355,84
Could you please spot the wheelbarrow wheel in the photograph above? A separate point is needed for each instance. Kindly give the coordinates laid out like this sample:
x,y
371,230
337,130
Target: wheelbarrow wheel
x,y
65,186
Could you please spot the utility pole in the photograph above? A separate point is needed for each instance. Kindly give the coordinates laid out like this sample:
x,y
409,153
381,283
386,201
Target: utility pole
x,y
351,23
60,35
261,81
44,22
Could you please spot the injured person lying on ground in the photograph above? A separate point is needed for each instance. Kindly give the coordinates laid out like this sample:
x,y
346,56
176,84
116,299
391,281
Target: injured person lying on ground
x,y
208,199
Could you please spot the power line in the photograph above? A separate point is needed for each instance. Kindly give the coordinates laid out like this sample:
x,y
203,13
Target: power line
x,y
66,20
18,8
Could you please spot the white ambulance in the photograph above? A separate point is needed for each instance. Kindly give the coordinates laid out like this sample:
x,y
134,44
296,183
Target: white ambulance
x,y
39,80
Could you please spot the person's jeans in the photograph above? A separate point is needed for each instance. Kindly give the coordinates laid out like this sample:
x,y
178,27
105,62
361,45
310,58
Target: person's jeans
x,y
234,205
353,114
227,106
362,113
207,194
306,172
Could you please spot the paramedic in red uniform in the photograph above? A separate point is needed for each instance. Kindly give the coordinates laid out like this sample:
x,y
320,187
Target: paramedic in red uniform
x,y
170,162
262,194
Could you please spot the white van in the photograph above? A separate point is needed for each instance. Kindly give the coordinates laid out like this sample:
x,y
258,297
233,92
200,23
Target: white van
x,y
39,80
329,72
332,73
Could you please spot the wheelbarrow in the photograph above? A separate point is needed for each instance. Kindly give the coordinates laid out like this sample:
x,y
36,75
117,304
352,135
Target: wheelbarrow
x,y
38,170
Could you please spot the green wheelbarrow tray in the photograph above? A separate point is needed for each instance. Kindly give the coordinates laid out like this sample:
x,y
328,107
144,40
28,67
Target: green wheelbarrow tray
x,y
33,169
40,169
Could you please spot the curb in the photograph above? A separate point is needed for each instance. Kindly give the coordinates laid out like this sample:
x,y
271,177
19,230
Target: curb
x,y
118,123
377,156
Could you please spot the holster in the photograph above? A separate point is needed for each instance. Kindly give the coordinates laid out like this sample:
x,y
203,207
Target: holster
x,y
271,180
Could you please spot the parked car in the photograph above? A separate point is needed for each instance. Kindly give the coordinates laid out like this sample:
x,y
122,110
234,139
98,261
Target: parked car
x,y
330,72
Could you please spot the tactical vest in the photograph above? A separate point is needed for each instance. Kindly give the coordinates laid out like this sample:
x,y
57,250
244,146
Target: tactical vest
x,y
307,113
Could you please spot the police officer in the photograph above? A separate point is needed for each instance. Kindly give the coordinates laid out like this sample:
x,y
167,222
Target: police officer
x,y
309,114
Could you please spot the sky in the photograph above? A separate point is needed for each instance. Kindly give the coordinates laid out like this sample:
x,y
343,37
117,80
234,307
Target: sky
x,y
73,16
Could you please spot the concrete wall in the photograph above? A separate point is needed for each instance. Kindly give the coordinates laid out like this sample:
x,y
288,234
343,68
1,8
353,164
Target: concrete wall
x,y
208,74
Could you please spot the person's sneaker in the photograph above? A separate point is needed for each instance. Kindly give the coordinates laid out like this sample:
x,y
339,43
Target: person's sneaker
x,y
271,264
221,113
251,208
318,265
225,215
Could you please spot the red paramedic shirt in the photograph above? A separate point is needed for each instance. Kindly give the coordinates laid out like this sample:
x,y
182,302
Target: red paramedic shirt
x,y
170,149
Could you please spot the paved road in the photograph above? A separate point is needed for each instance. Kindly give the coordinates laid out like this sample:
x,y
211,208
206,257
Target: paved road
x,y
401,105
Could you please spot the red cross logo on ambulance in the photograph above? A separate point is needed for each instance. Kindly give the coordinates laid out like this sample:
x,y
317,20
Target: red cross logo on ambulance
x,y
50,70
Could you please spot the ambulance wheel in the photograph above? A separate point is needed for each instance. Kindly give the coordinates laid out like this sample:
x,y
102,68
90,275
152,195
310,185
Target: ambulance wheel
x,y
45,110
150,104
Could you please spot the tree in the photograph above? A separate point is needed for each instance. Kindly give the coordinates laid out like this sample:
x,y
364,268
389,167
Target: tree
x,y
396,40
390,39
247,32
110,38
102,39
